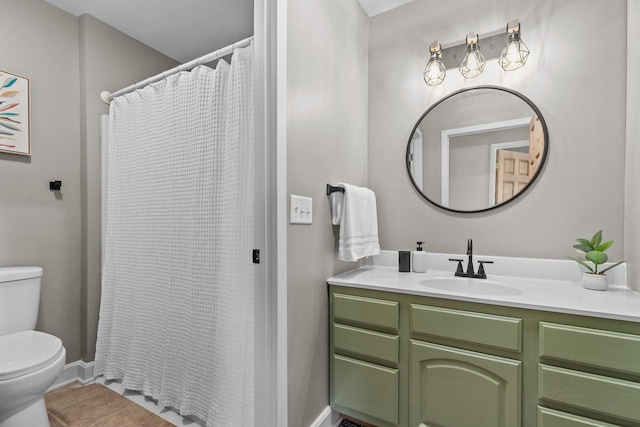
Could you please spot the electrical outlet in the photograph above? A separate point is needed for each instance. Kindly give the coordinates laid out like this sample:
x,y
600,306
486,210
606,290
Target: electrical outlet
x,y
301,210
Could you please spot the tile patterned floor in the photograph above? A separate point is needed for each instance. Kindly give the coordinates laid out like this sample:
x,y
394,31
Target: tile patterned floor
x,y
95,405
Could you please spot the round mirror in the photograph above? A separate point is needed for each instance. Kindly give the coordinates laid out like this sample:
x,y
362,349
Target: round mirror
x,y
477,149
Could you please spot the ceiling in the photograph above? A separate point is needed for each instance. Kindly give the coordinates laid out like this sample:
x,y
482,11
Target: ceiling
x,y
182,30
376,7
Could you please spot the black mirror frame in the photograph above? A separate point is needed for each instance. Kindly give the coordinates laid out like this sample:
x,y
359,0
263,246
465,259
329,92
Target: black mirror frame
x,y
521,192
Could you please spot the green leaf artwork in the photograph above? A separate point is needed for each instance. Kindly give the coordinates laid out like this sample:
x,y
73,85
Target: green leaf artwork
x,y
15,129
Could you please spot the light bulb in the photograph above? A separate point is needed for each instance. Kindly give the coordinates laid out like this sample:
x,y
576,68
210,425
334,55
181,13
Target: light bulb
x,y
435,71
515,53
473,63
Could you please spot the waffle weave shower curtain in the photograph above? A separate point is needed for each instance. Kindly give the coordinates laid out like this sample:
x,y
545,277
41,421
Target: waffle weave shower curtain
x,y
177,309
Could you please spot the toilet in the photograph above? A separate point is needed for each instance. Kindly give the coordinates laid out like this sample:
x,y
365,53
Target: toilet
x,y
30,361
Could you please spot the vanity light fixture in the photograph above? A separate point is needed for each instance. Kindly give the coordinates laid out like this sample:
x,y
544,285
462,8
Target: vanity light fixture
x,y
473,63
435,71
515,53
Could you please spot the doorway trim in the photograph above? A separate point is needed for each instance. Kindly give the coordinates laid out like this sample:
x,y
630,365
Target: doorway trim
x,y
271,390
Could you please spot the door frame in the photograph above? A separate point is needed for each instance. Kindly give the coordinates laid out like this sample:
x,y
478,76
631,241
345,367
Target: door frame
x,y
271,386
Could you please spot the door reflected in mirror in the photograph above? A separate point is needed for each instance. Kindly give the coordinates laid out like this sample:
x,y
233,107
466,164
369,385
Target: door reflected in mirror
x,y
477,149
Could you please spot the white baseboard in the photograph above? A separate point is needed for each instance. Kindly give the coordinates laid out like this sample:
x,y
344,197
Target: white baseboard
x,y
79,371
328,418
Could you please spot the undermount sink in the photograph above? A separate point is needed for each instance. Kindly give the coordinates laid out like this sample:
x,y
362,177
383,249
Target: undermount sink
x,y
470,286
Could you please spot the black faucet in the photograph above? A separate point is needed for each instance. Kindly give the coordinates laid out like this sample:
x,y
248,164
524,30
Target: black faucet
x,y
470,273
470,258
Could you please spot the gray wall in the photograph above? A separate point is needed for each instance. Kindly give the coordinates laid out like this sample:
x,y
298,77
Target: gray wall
x,y
69,61
109,60
37,226
327,47
584,111
632,192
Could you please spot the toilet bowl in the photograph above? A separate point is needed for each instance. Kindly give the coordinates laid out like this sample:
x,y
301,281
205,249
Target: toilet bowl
x,y
30,361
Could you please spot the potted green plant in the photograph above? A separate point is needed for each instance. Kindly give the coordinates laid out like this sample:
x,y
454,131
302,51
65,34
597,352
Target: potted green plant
x,y
593,252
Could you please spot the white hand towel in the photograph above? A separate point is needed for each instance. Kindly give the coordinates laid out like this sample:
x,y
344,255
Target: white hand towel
x,y
358,225
337,201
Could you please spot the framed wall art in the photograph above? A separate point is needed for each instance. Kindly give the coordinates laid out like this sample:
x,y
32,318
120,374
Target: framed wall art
x,y
15,114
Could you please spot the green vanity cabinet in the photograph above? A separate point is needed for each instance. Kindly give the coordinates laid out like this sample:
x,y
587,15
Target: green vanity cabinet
x,y
401,360
388,369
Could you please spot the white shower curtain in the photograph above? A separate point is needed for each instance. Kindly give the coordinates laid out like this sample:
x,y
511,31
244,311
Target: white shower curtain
x,y
177,309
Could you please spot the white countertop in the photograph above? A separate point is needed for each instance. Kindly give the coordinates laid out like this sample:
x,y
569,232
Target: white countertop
x,y
562,295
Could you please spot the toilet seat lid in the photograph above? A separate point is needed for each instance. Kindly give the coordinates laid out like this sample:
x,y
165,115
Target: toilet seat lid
x,y
24,352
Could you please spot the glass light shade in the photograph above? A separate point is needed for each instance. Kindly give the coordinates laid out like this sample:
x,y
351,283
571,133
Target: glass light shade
x,y
435,71
473,62
514,55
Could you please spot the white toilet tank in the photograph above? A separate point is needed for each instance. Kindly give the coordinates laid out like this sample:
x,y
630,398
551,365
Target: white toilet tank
x,y
19,298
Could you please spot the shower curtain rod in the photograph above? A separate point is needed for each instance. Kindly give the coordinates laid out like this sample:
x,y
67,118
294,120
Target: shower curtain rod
x,y
108,96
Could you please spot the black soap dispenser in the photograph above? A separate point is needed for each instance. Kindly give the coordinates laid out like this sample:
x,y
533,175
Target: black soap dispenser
x,y
419,259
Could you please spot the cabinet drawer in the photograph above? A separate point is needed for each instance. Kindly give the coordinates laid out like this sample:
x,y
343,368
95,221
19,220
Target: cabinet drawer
x,y
479,328
367,388
366,344
551,418
597,393
593,347
366,311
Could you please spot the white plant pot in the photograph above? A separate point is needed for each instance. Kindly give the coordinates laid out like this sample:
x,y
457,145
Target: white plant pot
x,y
595,282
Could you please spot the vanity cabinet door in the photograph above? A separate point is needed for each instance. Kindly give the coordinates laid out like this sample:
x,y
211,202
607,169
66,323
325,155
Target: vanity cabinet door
x,y
450,387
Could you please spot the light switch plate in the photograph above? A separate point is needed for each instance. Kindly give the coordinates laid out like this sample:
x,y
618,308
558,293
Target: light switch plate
x,y
301,210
